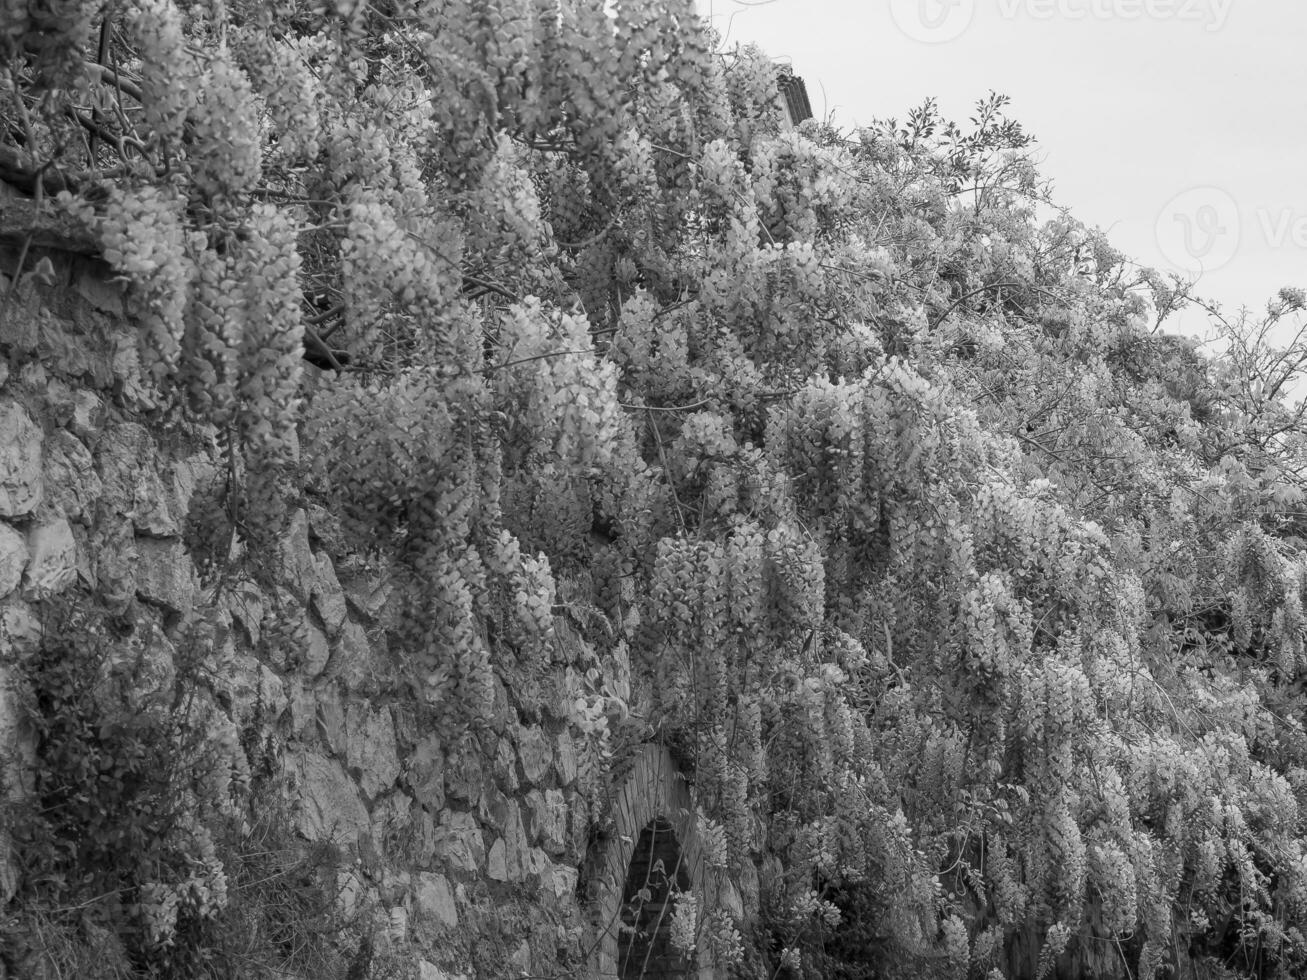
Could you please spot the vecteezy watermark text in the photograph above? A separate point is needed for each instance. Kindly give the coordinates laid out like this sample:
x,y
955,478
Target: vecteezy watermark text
x,y
938,21
1203,228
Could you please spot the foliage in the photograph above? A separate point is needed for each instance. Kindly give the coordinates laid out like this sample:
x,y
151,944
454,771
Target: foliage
x,y
974,600
135,856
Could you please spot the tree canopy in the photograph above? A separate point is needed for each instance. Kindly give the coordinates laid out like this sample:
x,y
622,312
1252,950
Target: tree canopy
x,y
971,597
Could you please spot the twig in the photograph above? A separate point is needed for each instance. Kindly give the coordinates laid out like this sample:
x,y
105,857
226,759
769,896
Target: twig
x,y
534,357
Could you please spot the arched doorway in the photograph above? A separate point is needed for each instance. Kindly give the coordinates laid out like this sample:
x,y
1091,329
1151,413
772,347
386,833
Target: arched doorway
x,y
655,874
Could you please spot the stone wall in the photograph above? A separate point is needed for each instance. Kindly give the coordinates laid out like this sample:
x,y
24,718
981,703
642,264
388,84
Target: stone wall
x,y
465,849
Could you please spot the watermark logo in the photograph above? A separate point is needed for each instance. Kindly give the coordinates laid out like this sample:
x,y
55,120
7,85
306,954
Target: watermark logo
x,y
1199,229
940,21
932,21
1211,14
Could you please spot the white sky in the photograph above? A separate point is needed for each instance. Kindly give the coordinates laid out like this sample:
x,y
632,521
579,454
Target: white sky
x,y
1176,125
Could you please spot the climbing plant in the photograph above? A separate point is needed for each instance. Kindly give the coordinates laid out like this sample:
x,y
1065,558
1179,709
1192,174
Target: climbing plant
x,y
971,598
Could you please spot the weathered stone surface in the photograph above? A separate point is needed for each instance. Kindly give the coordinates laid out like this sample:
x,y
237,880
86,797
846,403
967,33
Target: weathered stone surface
x,y
435,901
578,827
250,687
459,843
143,667
52,566
188,475
21,441
125,369
392,816
422,841
506,766
367,592
464,778
328,597
351,892
370,748
536,753
129,468
9,715
9,874
565,760
114,559
519,963
331,719
537,863
87,418
548,820
302,705
395,886
351,655
495,807
165,575
510,855
71,483
429,971
20,630
298,565
317,653
497,863
245,603
426,773
397,924
330,807
100,290
13,559
560,881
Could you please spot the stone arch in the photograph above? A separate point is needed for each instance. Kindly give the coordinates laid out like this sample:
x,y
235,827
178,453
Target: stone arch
x,y
654,795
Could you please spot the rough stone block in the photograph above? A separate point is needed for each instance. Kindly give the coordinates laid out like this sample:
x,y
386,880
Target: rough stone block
x,y
52,567
87,418
20,630
113,547
464,777
298,567
370,747
510,856
536,753
330,805
429,971
331,719
21,450
506,766
426,773
72,485
497,863
129,468
392,816
459,843
352,654
165,575
317,653
187,476
328,597
397,924
367,593
302,705
561,881
434,899
548,820
565,761
13,559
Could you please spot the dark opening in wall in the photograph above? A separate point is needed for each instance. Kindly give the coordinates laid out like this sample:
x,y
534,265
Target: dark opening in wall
x,y
645,949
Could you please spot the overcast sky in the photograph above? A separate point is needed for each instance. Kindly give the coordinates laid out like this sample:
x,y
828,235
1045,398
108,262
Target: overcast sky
x,y
1176,125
